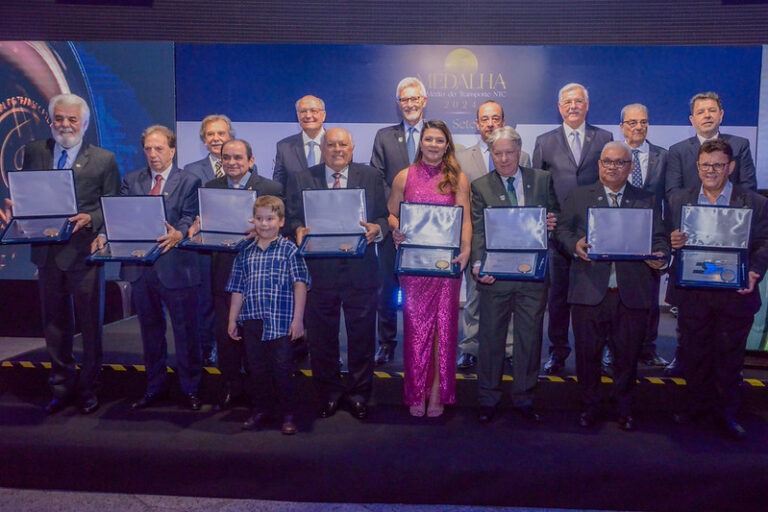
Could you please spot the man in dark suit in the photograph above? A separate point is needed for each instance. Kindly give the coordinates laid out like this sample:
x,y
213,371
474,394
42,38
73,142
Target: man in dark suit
x,y
570,152
299,152
394,149
509,185
610,299
350,284
238,160
171,282
714,323
68,287
475,162
649,167
215,130
706,115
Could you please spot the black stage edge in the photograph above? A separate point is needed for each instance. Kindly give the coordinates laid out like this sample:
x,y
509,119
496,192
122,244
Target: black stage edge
x,y
388,458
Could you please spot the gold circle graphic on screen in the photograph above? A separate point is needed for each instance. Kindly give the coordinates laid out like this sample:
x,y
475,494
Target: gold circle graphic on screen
x,y
461,61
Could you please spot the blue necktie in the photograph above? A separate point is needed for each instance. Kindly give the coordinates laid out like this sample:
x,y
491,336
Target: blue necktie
x,y
637,173
576,147
411,143
311,153
62,159
511,191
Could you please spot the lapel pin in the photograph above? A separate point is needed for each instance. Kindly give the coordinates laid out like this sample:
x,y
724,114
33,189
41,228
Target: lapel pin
x,y
399,139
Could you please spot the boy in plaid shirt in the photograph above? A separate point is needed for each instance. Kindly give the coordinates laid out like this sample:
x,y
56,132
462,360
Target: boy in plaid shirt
x,y
269,284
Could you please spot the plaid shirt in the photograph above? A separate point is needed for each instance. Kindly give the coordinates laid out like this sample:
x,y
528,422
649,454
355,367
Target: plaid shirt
x,y
266,277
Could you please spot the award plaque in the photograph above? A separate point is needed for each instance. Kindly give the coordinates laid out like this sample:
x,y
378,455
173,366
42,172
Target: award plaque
x,y
333,217
432,240
515,243
620,233
43,202
717,250
224,218
132,224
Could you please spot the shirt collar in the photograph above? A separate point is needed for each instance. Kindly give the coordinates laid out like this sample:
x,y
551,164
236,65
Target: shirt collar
x,y
164,174
419,126
642,148
702,140
318,140
581,129
242,181
71,152
620,196
723,199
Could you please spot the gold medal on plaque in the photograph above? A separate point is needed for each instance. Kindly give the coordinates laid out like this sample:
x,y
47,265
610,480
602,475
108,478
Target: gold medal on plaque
x,y
228,243
139,253
442,264
524,268
346,247
51,232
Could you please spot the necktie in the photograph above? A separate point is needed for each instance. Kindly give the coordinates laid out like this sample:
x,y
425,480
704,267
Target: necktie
x,y
217,170
62,159
311,153
411,143
511,191
612,282
614,199
576,147
637,173
336,180
491,167
158,185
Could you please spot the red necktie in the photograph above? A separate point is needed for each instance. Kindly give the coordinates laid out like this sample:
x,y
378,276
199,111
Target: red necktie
x,y
158,185
336,180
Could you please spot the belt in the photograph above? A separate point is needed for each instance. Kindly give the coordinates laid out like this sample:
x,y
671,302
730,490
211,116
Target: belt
x,y
613,290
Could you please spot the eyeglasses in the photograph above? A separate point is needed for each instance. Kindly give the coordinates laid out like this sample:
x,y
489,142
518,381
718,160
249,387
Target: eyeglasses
x,y
576,102
614,163
634,122
313,111
716,166
412,99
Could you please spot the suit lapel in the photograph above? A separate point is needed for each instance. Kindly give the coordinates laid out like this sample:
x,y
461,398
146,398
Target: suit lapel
x,y
82,159
299,150
566,148
499,191
174,177
402,142
353,177
477,156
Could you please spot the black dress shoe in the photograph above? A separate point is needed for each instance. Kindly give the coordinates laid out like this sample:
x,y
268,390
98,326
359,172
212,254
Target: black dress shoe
x,y
385,354
466,361
510,360
329,409
148,400
255,422
627,423
288,427
56,405
89,405
731,429
653,359
673,369
486,414
193,402
359,410
527,413
587,419
554,365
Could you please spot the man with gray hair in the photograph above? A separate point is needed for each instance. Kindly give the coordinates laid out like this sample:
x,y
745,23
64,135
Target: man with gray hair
x,y
570,152
610,300
69,288
394,149
301,151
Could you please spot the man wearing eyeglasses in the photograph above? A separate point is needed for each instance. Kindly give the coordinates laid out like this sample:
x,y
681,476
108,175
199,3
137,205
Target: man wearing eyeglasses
x,y
394,149
570,152
476,161
301,151
714,323
610,300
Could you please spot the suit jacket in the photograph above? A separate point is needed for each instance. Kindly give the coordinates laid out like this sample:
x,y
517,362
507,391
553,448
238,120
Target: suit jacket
x,y
204,170
473,163
177,268
682,172
552,153
221,265
588,281
488,191
341,272
736,303
390,153
96,175
655,179
290,158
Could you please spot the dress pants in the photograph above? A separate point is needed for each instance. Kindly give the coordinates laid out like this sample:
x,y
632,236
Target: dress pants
x,y
470,319
66,295
270,365
205,308
387,307
498,302
593,326
557,303
322,321
149,297
230,354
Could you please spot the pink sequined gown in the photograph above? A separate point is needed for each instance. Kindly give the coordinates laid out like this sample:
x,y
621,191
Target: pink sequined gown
x,y
430,305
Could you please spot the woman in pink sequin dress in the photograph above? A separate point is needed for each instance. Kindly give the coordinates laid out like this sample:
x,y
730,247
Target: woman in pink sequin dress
x,y
431,304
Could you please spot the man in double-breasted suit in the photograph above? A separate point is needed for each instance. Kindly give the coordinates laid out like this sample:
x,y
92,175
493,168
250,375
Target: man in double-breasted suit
x,y
350,284
394,149
303,150
69,288
171,282
475,161
610,299
237,157
570,152
509,185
